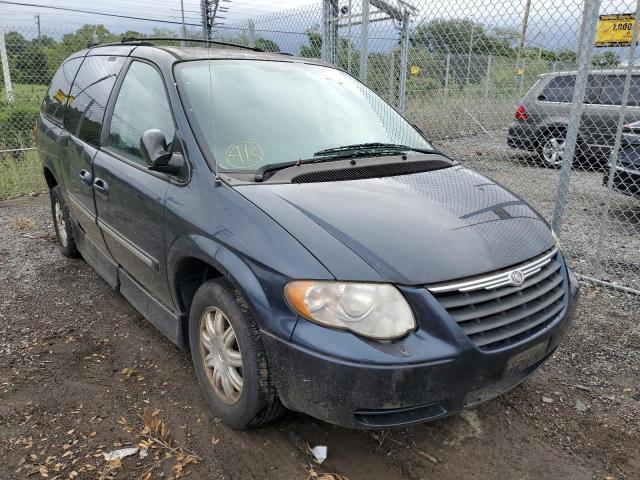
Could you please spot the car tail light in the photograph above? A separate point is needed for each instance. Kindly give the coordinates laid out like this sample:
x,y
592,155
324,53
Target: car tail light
x,y
521,113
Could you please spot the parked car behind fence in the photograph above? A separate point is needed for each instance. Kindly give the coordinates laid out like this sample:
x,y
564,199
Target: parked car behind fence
x,y
542,117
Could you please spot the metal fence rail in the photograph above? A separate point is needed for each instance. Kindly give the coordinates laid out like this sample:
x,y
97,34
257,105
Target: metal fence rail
x,y
459,70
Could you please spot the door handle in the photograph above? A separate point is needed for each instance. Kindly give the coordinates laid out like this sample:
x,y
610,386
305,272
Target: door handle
x,y
101,186
86,177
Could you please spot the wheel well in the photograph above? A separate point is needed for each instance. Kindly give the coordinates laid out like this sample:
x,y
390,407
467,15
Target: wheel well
x,y
192,273
49,178
543,132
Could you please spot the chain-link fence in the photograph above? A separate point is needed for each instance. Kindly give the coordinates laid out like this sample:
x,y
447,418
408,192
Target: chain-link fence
x,y
495,84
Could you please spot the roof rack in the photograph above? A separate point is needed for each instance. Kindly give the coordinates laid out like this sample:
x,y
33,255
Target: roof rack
x,y
148,40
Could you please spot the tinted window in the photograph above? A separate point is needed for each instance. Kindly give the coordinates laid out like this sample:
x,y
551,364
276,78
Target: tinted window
x,y
89,97
613,90
142,104
560,89
56,99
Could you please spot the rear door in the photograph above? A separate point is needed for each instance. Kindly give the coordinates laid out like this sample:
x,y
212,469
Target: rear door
x,y
51,120
129,197
611,96
78,145
555,103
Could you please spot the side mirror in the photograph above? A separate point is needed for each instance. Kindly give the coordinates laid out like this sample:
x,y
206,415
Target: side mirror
x,y
153,147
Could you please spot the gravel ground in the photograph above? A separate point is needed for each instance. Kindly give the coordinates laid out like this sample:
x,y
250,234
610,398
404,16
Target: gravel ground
x,y
601,229
82,373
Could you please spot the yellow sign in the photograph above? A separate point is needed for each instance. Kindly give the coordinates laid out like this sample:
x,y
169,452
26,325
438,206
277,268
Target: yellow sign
x,y
59,96
415,70
615,30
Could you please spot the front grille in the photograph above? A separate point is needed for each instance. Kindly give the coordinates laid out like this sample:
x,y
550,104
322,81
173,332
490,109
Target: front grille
x,y
494,313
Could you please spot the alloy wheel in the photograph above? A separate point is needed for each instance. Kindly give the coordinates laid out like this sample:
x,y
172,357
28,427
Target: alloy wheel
x,y
552,150
61,226
220,354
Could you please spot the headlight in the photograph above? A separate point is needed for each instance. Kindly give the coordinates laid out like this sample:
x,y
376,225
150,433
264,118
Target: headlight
x,y
369,309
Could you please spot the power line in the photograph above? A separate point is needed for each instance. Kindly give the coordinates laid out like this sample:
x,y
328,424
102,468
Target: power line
x,y
97,13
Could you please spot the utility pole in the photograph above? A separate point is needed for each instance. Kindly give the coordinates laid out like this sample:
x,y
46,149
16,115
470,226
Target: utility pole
x,y
5,66
37,18
184,28
523,34
209,10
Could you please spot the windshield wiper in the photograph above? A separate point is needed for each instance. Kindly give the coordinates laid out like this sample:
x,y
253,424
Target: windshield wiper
x,y
339,153
270,167
373,146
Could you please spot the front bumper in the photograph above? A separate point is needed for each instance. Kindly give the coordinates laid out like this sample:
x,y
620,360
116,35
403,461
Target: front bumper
x,y
346,380
625,180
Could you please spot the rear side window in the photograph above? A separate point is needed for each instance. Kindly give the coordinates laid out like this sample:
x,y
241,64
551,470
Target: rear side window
x,y
56,99
89,97
560,89
142,104
613,90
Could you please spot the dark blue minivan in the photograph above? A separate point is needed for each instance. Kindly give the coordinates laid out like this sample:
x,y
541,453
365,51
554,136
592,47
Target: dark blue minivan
x,y
307,244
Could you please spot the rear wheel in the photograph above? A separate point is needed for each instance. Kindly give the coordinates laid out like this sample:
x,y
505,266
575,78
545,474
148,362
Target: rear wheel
x,y
552,148
229,358
62,223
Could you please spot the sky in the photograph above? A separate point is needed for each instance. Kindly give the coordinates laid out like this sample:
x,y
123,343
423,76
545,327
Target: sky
x,y
552,24
23,16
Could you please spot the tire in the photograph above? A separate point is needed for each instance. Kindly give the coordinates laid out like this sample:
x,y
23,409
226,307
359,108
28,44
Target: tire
x,y
550,148
217,307
62,223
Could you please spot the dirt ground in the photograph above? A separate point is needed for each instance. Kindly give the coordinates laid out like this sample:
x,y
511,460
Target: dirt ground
x,y
82,373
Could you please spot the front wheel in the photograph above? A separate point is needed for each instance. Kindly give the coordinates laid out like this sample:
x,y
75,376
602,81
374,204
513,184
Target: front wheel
x,y
229,358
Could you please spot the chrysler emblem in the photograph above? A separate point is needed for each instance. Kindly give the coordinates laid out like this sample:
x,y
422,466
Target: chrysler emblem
x,y
517,278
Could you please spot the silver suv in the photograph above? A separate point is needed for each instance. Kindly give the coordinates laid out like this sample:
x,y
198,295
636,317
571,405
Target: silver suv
x,y
541,119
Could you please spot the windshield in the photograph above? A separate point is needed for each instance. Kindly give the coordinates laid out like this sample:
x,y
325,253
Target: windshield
x,y
250,113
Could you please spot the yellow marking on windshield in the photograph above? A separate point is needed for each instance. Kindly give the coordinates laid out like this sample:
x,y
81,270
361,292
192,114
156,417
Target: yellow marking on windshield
x,y
244,155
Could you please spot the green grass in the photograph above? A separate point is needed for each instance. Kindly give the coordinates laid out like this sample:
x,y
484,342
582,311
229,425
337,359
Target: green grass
x,y
24,95
20,176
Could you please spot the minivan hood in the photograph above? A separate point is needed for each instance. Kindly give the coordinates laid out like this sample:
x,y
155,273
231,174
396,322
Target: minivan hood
x,y
412,229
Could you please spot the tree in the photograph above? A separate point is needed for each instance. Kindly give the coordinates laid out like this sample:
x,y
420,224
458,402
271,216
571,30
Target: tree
x,y
460,36
314,49
605,60
84,36
267,45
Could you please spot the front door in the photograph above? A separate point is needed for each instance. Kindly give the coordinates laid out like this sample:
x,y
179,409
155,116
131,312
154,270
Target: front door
x,y
129,197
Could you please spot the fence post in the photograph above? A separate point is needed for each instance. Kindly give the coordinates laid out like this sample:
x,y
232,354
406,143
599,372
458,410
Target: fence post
x,y
585,52
364,41
404,62
446,91
392,77
5,66
251,27
487,81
